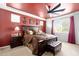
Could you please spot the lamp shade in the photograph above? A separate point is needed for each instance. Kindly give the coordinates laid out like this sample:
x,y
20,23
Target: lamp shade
x,y
17,28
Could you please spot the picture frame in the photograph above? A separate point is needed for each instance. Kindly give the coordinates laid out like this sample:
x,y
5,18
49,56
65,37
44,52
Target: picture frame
x,y
32,21
24,20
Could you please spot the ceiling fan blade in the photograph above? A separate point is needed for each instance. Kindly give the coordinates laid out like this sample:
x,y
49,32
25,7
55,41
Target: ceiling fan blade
x,y
55,8
56,13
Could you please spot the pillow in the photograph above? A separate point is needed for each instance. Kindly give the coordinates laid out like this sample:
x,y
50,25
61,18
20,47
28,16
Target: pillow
x,y
29,32
39,32
33,31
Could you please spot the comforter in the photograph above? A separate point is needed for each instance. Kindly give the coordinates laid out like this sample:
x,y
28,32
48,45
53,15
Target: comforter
x,y
37,43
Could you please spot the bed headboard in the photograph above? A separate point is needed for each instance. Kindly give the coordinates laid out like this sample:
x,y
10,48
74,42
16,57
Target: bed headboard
x,y
24,28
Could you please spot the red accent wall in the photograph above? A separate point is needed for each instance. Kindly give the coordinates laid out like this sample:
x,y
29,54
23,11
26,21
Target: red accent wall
x,y
7,27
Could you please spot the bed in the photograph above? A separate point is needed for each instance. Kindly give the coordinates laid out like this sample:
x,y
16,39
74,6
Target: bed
x,y
36,40
37,43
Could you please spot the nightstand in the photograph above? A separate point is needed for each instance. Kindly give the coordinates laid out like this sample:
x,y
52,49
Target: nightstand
x,y
16,41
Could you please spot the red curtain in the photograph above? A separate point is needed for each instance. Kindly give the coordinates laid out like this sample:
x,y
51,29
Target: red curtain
x,y
71,37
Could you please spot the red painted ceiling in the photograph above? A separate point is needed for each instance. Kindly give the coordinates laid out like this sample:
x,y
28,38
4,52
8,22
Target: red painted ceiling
x,y
39,9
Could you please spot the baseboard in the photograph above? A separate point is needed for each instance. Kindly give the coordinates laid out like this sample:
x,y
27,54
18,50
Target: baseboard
x,y
8,46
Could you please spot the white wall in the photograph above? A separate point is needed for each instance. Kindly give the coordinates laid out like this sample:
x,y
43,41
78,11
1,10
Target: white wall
x,y
48,26
76,21
64,36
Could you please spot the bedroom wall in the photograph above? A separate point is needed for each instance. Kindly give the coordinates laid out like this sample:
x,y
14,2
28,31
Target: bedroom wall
x,y
64,36
7,27
76,17
48,26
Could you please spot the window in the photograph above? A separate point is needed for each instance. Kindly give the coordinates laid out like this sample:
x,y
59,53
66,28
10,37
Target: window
x,y
61,25
41,23
15,18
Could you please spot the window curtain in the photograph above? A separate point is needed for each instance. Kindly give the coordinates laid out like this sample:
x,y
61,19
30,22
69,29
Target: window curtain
x,y
52,31
71,37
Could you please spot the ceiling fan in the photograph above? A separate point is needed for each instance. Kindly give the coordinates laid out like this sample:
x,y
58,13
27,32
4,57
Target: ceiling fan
x,y
54,9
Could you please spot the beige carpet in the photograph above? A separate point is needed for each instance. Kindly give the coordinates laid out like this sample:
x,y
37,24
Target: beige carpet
x,y
67,50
